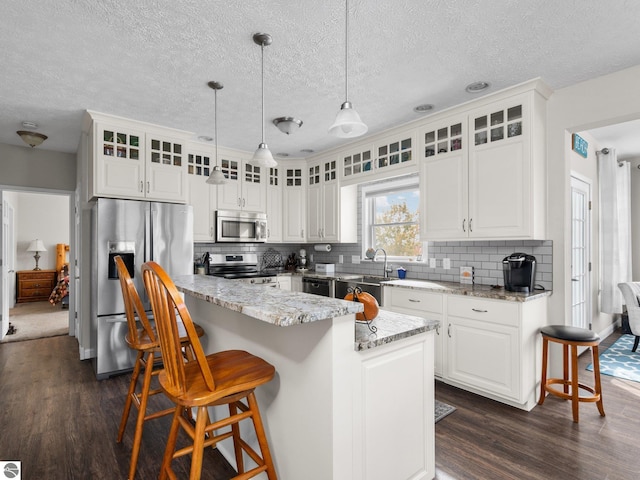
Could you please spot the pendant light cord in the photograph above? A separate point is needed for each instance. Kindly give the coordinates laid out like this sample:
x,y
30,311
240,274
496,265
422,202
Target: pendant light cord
x,y
346,52
262,50
215,119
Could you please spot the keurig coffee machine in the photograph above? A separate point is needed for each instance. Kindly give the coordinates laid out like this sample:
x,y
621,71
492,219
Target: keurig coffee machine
x,y
519,272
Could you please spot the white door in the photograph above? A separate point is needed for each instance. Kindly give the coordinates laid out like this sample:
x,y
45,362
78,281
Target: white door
x,y
580,253
6,262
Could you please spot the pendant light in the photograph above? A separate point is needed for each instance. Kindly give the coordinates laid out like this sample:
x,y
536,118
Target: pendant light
x,y
262,156
348,123
216,177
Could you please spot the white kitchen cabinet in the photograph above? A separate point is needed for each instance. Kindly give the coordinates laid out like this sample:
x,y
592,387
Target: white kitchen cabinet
x,y
483,172
421,303
246,185
202,196
493,347
274,205
357,163
388,403
331,212
284,282
134,160
294,203
296,283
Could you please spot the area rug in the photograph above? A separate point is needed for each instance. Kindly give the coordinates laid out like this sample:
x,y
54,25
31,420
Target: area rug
x,y
37,320
442,410
619,361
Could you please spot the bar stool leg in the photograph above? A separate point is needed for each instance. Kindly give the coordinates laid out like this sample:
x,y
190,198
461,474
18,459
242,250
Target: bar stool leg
x,y
596,373
543,382
565,365
575,385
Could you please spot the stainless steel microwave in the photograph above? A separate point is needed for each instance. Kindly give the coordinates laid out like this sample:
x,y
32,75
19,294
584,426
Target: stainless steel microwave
x,y
239,227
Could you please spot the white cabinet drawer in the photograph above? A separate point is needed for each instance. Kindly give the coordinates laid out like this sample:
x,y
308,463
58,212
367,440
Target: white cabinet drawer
x,y
414,299
495,311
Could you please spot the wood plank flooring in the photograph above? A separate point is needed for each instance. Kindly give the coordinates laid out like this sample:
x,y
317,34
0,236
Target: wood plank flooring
x,y
61,423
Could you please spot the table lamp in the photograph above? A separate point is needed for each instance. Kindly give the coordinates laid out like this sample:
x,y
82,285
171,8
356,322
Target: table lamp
x,y
36,246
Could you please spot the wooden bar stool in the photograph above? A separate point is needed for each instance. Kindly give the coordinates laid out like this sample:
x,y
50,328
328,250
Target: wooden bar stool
x,y
573,337
144,340
223,378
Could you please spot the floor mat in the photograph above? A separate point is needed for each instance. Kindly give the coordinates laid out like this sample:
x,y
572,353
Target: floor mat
x,y
619,361
442,410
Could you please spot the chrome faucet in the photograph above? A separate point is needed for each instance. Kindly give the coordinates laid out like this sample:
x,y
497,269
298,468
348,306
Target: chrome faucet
x,y
386,270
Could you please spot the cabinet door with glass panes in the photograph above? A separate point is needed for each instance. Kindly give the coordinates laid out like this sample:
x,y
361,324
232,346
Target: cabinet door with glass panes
x,y
274,205
357,163
294,203
443,179
166,169
500,179
202,196
394,152
119,162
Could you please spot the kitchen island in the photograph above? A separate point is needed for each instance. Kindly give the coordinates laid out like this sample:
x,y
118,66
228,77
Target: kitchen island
x,y
345,403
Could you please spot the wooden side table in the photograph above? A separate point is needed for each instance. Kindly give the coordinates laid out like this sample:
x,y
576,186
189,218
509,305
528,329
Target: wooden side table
x,y
34,285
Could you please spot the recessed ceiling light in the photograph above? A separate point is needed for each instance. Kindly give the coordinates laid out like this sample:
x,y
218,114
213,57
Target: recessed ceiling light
x,y
307,150
282,154
205,138
476,87
425,107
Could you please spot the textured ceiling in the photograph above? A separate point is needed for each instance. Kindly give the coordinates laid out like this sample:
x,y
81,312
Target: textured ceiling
x,y
150,60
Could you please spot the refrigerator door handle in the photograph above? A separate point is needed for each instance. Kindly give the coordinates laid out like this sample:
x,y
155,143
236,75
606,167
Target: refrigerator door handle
x,y
115,318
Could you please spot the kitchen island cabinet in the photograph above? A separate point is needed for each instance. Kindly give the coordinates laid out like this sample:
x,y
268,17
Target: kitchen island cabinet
x,y
331,411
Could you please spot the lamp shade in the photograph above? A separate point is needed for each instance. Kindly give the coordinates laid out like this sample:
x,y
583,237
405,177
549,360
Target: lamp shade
x,y
348,123
216,177
33,139
36,246
262,157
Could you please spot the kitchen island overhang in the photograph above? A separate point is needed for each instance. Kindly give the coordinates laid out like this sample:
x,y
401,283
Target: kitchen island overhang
x,y
333,408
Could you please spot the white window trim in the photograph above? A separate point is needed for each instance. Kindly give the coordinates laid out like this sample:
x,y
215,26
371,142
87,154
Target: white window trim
x,y
401,183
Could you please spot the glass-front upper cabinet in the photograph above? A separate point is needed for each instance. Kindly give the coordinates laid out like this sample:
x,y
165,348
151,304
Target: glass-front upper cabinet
x,y
439,140
498,125
394,152
120,144
357,163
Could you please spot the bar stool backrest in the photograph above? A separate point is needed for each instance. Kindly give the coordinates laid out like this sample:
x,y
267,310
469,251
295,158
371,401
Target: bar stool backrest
x,y
167,305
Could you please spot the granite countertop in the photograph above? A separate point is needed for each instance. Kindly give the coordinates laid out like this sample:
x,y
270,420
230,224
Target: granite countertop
x,y
481,291
272,305
284,308
390,326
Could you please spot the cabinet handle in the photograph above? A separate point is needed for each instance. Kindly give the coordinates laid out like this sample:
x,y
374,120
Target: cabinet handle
x,y
148,187
414,300
211,232
243,202
471,224
449,330
141,186
438,329
302,233
479,311
464,220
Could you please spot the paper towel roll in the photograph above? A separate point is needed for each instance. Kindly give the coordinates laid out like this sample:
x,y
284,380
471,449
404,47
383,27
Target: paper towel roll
x,y
325,247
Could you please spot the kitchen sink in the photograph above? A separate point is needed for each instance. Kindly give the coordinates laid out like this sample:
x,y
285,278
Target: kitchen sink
x,y
369,284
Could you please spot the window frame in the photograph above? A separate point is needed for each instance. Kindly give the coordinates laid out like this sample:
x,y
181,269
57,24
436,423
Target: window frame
x,y
368,191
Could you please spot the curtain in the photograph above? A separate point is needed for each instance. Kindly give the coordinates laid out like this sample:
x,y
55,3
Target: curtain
x,y
615,228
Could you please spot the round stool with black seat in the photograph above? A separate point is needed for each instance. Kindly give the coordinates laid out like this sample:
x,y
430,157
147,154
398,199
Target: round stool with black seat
x,y
573,337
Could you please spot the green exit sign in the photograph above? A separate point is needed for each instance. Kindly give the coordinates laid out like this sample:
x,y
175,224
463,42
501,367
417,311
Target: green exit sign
x,y
579,145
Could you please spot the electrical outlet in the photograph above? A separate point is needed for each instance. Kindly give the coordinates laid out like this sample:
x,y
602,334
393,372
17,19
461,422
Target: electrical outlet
x,y
355,258
340,258
432,263
446,263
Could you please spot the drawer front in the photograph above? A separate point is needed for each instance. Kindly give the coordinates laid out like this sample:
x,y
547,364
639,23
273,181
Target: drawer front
x,y
416,299
496,311
41,283
35,293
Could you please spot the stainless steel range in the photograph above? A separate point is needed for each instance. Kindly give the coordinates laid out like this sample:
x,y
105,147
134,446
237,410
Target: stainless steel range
x,y
240,266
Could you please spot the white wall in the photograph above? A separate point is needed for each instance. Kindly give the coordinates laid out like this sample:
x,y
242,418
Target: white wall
x,y
41,216
595,103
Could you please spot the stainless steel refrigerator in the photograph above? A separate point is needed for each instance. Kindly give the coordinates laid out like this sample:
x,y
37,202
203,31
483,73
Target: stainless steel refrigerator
x,y
138,231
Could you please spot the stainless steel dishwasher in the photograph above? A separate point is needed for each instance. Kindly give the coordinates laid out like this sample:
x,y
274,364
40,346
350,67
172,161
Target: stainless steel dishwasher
x,y
318,286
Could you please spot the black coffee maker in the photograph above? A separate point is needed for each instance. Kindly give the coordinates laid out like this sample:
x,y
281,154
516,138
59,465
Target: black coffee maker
x,y
519,271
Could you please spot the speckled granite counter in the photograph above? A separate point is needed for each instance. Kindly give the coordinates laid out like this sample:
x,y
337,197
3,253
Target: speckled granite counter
x,y
482,291
391,326
284,308
271,305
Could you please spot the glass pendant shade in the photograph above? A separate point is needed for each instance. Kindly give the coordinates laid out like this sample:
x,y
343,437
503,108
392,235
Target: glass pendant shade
x,y
262,157
216,177
348,123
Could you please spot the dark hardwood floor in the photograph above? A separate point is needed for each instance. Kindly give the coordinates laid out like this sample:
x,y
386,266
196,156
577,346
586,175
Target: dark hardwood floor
x,y
61,424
